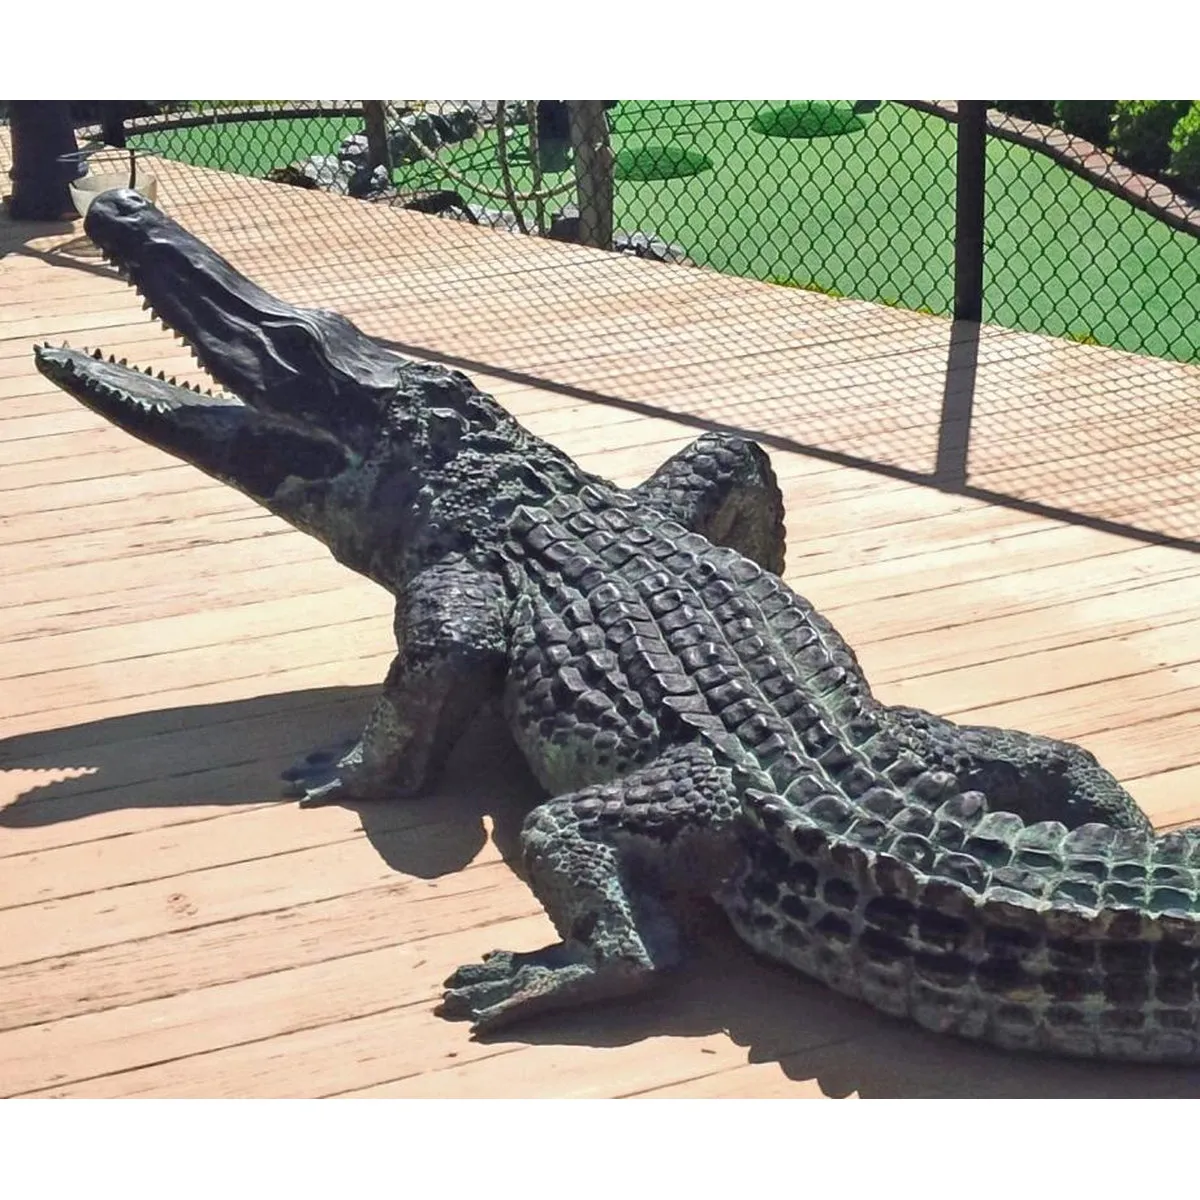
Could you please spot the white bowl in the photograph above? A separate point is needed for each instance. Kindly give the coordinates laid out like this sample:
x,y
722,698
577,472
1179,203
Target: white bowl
x,y
85,189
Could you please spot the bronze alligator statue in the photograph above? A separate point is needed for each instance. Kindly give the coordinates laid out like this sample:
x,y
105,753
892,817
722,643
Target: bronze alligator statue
x,y
698,726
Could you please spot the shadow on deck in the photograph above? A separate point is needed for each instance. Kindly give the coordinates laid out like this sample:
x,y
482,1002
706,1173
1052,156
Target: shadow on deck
x,y
810,1033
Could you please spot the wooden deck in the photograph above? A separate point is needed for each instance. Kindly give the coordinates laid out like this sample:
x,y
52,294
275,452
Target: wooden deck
x,y
170,927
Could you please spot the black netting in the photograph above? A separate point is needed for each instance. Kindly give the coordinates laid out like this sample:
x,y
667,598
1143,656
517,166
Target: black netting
x,y
1080,245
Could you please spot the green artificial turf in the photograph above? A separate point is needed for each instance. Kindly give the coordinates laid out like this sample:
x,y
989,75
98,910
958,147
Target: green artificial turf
x,y
868,212
250,147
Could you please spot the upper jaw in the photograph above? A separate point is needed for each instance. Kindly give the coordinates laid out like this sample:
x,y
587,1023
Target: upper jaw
x,y
300,364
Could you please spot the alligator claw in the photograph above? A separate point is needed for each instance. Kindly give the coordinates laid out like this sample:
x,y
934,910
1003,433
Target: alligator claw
x,y
320,777
507,986
331,792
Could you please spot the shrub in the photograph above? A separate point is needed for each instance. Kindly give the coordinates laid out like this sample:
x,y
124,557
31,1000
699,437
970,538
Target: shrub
x,y
1041,111
1091,119
1141,131
1185,146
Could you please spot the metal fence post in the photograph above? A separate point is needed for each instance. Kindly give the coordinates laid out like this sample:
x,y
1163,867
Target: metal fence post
x,y
44,159
969,210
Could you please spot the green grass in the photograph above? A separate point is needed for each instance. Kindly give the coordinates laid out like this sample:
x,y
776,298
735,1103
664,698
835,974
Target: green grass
x,y
866,213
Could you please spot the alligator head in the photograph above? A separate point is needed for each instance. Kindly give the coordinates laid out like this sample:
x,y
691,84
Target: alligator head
x,y
339,435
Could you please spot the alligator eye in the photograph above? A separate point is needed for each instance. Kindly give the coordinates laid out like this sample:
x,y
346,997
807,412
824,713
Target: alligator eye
x,y
445,425
445,432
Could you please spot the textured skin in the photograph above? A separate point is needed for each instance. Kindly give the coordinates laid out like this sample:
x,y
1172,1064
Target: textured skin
x,y
701,729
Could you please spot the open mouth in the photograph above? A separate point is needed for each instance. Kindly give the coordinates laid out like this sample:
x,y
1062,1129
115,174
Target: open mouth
x,y
215,312
102,381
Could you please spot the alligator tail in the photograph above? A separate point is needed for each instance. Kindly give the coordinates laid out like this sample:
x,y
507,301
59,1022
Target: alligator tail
x,y
1084,942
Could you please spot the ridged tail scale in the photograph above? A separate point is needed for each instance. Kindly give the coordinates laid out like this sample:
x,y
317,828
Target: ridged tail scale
x,y
1084,942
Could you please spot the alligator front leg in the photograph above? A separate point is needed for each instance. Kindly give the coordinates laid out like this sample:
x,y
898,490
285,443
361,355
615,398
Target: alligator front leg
x,y
724,488
450,631
603,862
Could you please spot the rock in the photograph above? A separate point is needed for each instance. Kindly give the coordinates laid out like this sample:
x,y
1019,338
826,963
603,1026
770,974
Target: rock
x,y
348,172
292,175
355,149
327,172
477,214
463,123
372,185
496,218
649,245
412,131
431,201
564,225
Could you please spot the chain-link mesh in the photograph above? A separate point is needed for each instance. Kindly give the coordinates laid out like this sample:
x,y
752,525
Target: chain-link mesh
x,y
1070,253
845,198
849,199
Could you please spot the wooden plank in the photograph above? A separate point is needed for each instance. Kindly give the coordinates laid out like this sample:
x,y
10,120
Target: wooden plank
x,y
55,781
1170,654
264,1006
336,928
311,639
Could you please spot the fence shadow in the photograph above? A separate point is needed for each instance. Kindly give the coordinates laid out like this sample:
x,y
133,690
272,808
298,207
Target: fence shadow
x,y
950,472
958,402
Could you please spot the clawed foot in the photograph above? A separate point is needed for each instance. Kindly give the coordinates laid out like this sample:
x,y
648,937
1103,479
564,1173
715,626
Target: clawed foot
x,y
507,987
322,777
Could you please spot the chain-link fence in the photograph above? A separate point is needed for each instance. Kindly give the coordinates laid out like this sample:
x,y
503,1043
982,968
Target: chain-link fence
x,y
849,198
1054,221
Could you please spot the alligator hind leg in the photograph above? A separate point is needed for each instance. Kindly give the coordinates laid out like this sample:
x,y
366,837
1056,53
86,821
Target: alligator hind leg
x,y
724,488
604,861
450,631
1038,778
